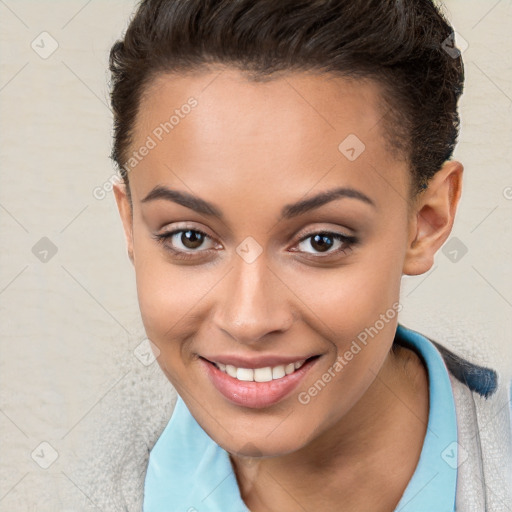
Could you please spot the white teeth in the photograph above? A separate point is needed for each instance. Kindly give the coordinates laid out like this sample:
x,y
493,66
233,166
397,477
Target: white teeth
x,y
231,370
260,374
263,374
245,374
290,368
278,372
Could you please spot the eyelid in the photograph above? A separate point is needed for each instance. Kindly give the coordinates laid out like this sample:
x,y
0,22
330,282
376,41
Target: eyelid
x,y
179,227
168,235
303,235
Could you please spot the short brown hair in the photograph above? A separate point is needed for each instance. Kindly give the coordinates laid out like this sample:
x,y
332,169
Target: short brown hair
x,y
401,44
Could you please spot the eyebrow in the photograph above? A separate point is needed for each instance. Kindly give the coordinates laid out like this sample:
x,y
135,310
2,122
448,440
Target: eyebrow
x,y
288,211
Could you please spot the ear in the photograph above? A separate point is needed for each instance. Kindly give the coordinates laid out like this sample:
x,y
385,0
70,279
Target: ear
x,y
125,211
431,220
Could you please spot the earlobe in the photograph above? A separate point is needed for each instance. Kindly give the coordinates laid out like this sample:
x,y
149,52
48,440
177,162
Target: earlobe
x,y
126,214
432,220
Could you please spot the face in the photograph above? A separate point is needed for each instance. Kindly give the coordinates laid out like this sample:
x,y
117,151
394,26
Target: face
x,y
242,258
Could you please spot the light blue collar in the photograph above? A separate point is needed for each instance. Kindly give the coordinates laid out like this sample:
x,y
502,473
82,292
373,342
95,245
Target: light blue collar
x,y
433,484
188,472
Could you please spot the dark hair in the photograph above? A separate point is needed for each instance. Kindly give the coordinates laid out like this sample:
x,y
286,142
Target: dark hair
x,y
406,46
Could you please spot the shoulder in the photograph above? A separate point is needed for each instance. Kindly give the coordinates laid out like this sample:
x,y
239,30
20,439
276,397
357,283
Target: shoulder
x,y
118,435
480,379
484,414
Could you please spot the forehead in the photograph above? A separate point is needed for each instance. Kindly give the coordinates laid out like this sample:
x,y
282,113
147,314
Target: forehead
x,y
289,133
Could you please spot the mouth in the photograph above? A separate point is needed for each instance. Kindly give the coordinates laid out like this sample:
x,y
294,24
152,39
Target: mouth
x,y
257,387
264,374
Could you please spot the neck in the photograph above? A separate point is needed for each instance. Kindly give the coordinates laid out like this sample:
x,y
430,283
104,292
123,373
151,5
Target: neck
x,y
366,458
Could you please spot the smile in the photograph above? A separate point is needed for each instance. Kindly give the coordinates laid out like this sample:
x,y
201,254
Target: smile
x,y
257,387
265,374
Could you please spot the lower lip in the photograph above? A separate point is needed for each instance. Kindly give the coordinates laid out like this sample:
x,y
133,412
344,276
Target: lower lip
x,y
255,395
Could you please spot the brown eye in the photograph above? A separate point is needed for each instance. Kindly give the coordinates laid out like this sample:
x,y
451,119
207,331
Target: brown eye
x,y
324,241
191,239
184,243
321,242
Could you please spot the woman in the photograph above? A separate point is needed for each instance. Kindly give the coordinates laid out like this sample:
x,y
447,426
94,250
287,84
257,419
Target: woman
x,y
283,165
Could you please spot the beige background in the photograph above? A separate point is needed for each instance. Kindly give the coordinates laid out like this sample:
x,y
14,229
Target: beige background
x,y
69,325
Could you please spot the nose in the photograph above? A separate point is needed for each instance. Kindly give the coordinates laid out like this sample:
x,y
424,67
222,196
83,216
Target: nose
x,y
253,302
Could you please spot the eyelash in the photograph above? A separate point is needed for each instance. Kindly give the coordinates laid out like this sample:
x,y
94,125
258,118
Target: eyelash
x,y
161,238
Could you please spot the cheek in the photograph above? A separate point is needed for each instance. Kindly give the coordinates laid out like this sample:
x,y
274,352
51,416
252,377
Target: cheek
x,y
165,292
358,309
347,299
344,299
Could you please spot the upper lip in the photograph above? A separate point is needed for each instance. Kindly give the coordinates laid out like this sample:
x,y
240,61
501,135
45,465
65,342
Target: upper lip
x,y
260,361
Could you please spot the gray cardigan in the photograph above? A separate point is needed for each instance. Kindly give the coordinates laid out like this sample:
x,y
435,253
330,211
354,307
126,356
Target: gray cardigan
x,y
115,450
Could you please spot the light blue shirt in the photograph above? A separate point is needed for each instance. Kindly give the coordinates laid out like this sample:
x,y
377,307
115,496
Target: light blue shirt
x,y
189,472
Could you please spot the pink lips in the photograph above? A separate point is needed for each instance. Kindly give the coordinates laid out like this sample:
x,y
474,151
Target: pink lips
x,y
255,395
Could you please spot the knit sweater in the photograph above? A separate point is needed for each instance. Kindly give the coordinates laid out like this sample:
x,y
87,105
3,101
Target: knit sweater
x,y
136,411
